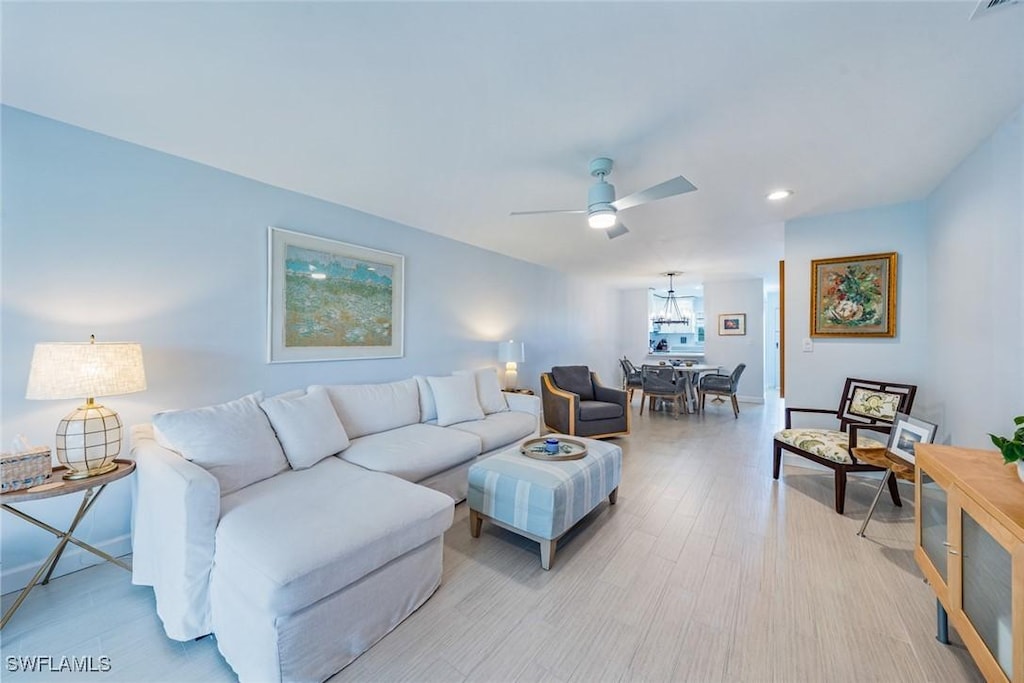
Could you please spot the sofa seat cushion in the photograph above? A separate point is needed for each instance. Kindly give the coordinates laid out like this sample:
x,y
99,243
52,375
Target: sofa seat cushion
x,y
500,429
413,452
288,541
599,410
825,443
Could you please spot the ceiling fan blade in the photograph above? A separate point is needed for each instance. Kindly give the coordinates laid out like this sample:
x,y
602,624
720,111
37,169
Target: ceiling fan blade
x,y
617,230
531,213
669,188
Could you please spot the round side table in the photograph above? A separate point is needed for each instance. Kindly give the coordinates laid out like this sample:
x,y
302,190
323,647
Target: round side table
x,y
93,487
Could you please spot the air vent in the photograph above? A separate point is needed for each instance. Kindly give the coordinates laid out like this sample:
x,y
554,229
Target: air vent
x,y
986,7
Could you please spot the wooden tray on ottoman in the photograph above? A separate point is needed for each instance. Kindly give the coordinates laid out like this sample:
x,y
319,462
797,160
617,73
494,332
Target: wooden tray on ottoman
x,y
568,449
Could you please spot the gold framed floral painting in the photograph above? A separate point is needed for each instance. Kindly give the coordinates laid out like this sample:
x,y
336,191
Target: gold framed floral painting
x,y
854,296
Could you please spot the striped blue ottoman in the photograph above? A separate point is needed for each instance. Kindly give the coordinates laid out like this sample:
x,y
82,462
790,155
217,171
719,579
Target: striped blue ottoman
x,y
542,500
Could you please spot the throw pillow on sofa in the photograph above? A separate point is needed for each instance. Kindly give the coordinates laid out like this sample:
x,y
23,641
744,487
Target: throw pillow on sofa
x,y
456,399
307,426
233,441
488,389
428,407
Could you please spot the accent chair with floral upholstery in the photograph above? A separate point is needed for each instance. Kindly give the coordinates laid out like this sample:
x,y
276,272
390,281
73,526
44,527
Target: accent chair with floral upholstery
x,y
865,405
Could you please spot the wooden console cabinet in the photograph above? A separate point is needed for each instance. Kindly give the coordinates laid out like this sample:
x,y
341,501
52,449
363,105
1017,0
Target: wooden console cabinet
x,y
970,545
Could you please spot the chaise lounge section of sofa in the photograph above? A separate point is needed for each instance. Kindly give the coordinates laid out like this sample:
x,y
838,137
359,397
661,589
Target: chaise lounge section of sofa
x,y
303,528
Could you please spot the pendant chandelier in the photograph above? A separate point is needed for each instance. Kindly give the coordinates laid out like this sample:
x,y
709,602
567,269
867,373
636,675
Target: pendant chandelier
x,y
671,313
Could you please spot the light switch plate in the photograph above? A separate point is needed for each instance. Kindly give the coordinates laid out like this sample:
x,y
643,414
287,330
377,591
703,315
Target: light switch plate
x,y
808,345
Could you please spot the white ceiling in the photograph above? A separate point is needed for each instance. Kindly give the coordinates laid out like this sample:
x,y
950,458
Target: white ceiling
x,y
447,116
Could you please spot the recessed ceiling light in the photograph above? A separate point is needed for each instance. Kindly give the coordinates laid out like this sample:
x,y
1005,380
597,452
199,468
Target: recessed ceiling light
x,y
779,195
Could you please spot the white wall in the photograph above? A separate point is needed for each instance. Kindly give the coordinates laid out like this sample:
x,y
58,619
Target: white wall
x,y
737,296
975,303
815,380
591,316
104,237
633,326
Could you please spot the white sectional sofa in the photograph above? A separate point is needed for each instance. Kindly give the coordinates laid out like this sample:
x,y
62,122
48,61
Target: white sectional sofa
x,y
302,528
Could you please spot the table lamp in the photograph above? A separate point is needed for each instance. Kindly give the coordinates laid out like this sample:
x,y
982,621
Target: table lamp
x,y
89,437
511,353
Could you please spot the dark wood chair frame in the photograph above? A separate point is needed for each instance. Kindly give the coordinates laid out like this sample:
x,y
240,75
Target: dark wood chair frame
x,y
852,424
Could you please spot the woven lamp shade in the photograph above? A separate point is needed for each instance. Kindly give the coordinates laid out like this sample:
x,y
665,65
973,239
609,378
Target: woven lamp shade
x,y
80,370
88,438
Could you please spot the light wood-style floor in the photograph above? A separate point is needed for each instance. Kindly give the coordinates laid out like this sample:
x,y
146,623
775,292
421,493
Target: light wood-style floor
x,y
706,570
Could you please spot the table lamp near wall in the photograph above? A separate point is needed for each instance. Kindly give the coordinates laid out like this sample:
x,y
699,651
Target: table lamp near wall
x,y
89,437
511,353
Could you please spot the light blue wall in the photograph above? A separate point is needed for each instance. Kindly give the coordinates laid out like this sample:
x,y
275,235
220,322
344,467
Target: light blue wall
x,y
728,351
815,379
960,327
105,237
975,380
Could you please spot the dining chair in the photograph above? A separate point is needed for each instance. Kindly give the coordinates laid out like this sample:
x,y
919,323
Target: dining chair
x,y
660,382
631,380
721,385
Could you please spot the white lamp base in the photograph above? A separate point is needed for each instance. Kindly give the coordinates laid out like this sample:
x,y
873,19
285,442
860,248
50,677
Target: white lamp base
x,y
88,440
511,376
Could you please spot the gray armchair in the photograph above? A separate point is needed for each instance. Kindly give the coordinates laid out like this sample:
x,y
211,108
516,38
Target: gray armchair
x,y
576,403
721,385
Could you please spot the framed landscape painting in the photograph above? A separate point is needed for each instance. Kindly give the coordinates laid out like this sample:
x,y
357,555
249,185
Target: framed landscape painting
x,y
331,300
732,323
854,296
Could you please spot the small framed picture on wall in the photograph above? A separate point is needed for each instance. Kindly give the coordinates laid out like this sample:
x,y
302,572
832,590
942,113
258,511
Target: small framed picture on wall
x,y
732,324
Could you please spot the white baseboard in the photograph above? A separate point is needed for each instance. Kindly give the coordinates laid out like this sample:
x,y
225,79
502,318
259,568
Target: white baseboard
x,y
750,399
73,559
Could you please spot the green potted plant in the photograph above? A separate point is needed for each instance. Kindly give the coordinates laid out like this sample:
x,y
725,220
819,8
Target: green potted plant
x,y
1013,449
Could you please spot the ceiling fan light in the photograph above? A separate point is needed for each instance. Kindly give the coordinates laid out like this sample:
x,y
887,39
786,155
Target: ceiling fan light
x,y
779,195
601,219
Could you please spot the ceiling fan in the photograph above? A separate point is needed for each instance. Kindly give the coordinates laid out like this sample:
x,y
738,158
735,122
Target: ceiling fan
x,y
602,206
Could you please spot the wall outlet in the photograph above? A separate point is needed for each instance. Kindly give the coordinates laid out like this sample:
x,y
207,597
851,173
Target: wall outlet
x,y
808,345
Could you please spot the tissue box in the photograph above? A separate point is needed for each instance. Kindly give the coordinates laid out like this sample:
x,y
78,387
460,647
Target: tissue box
x,y
24,469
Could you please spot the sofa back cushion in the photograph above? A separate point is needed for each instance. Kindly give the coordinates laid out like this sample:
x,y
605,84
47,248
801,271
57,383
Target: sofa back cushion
x,y
233,441
306,425
488,389
574,378
372,408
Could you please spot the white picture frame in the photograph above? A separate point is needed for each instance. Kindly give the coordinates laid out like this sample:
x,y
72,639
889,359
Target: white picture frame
x,y
732,324
906,433
329,300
